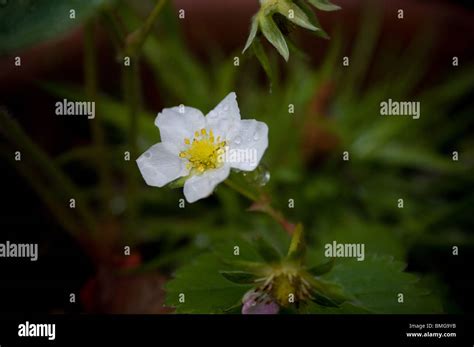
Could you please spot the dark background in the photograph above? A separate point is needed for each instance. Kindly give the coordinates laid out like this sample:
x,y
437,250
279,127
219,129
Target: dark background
x,y
63,267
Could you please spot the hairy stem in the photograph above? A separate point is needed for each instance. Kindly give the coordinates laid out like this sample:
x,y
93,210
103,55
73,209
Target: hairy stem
x,y
261,204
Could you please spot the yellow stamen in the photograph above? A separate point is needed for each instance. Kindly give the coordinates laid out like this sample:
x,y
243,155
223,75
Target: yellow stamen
x,y
203,153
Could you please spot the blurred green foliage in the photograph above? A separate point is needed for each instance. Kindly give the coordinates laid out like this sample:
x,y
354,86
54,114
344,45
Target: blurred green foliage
x,y
348,201
27,22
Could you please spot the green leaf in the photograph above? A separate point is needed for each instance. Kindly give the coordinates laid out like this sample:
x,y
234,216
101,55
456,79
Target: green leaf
x,y
323,300
324,5
297,246
375,285
375,238
263,59
226,249
253,33
273,34
412,156
244,265
205,289
267,251
296,15
28,22
312,18
322,269
239,277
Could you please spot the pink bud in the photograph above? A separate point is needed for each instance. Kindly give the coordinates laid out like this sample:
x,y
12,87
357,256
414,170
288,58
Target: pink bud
x,y
258,303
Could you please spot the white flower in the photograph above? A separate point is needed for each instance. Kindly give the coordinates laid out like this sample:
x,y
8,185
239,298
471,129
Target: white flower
x,y
201,148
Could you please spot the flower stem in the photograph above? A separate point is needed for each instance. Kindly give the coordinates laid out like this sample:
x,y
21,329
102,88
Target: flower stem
x,y
241,190
63,215
136,39
132,96
45,166
277,215
261,204
114,28
90,78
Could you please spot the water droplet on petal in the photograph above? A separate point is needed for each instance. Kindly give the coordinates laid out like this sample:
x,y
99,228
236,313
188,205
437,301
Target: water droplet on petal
x,y
226,108
147,155
256,137
237,140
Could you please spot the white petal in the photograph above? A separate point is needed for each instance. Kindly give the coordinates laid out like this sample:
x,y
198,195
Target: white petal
x,y
251,142
201,186
159,165
175,126
224,118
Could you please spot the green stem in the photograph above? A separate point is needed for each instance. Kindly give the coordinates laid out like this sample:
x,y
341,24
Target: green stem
x,y
62,214
242,191
46,166
90,78
132,96
277,216
114,28
136,40
261,204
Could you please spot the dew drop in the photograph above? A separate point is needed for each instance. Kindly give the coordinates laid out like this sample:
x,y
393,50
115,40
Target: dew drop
x,y
237,140
147,155
260,176
264,178
256,137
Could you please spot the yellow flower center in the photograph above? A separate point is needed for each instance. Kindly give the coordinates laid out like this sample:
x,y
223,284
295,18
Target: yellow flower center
x,y
286,285
204,151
